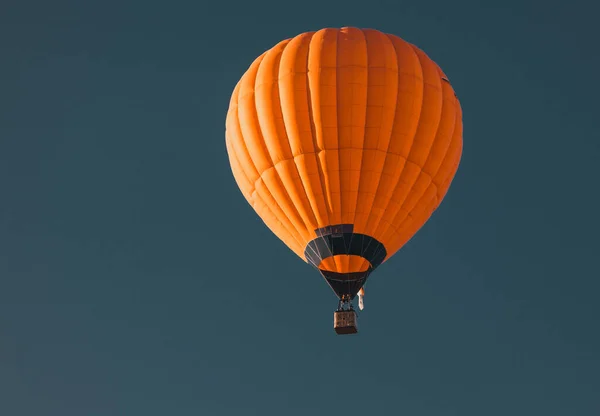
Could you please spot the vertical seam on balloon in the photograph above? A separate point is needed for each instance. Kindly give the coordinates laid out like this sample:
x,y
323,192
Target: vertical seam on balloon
x,y
383,36
243,142
339,152
312,132
385,227
287,138
277,175
393,219
451,135
432,174
378,219
391,132
440,184
337,262
362,154
387,224
314,135
302,181
328,199
314,140
293,158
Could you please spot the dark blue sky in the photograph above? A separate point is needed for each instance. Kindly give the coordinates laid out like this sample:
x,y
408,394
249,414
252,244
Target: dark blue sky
x,y
133,275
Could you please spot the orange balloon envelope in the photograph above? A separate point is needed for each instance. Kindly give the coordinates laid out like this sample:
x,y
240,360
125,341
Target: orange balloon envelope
x,y
344,141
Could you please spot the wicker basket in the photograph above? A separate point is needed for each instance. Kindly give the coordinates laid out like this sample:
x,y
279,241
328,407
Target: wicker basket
x,y
344,322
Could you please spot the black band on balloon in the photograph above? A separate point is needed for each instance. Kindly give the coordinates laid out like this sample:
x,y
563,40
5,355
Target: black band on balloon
x,y
340,239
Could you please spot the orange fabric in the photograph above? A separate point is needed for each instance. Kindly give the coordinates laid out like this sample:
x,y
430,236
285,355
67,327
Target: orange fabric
x,y
355,264
344,126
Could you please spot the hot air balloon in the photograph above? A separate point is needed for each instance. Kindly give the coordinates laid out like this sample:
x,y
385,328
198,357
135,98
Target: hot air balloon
x,y
344,141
